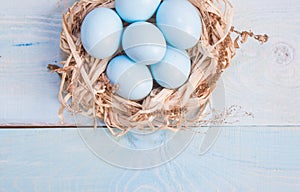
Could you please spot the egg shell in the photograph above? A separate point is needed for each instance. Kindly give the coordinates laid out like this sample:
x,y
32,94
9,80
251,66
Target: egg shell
x,y
144,43
101,32
180,23
134,81
174,70
136,10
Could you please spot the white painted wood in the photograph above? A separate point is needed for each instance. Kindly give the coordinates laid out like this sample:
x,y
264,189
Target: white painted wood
x,y
243,159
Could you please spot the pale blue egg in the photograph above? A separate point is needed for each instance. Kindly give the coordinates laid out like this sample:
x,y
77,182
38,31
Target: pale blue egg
x,y
180,23
144,43
136,10
101,32
134,81
174,70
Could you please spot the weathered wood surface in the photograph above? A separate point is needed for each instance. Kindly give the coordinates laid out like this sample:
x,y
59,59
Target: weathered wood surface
x,y
29,40
263,80
253,154
243,159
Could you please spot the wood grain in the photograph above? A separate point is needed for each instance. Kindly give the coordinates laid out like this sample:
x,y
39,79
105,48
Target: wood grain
x,y
243,159
263,80
29,40
250,154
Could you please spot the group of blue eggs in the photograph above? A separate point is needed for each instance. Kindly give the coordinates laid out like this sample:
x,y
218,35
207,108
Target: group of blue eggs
x,y
151,51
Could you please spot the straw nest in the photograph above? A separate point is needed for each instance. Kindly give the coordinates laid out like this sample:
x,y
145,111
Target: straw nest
x,y
85,88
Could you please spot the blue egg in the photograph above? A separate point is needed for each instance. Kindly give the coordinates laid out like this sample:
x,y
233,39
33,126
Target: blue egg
x,y
101,32
144,43
180,23
174,70
136,10
134,81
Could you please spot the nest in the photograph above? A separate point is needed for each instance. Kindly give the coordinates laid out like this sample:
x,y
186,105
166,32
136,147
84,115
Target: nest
x,y
85,89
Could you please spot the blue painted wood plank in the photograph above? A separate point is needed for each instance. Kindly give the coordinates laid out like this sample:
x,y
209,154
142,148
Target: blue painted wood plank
x,y
29,41
243,159
262,80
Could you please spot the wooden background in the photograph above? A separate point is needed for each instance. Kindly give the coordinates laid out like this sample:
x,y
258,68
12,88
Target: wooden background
x,y
253,154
